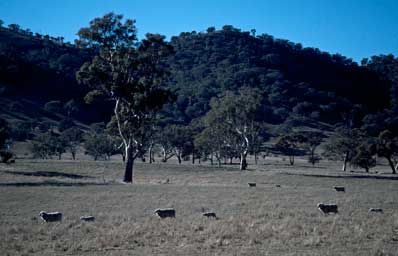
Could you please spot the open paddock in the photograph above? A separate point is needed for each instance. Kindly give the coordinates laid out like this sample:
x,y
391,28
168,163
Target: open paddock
x,y
262,220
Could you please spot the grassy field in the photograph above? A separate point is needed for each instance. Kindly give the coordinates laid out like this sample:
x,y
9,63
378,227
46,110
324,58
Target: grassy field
x,y
265,220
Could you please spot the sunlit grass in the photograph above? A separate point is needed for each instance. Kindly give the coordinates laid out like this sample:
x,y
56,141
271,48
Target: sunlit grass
x,y
265,220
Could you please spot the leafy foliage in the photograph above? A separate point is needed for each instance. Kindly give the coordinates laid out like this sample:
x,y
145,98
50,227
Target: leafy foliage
x,y
129,73
48,144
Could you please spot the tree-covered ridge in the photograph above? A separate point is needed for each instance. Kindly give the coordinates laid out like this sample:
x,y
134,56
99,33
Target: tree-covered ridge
x,y
295,81
303,80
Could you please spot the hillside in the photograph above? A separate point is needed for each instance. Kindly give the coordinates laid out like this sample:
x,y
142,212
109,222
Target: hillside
x,y
36,69
296,81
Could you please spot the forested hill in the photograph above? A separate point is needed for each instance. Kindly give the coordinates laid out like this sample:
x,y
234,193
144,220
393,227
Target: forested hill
x,y
305,81
36,69
296,81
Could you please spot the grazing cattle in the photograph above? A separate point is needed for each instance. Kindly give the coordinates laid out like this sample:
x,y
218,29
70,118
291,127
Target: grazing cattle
x,y
252,184
210,215
340,189
87,218
327,208
379,210
50,216
165,213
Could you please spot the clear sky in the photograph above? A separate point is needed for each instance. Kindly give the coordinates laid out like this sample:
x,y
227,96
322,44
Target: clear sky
x,y
354,28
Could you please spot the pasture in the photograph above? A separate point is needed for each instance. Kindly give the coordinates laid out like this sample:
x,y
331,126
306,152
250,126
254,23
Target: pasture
x,y
262,220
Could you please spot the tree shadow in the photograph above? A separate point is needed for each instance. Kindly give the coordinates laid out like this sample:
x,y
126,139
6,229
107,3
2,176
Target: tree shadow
x,y
51,184
48,174
284,164
371,177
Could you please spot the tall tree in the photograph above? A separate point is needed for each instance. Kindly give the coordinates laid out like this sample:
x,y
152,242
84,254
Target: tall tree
x,y
387,147
238,113
312,141
290,145
341,145
130,73
364,155
72,138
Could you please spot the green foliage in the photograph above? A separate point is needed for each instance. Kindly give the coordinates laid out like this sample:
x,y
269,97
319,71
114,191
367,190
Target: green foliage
x,y
176,140
341,145
21,131
99,145
387,147
5,133
5,136
386,66
48,144
364,155
290,144
232,123
130,74
6,157
72,138
108,32
311,141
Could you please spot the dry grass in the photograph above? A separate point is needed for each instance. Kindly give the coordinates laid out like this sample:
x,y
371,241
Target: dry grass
x,y
265,220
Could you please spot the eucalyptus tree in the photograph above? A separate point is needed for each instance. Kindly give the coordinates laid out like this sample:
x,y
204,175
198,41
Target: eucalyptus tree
x,y
236,113
387,147
342,144
128,72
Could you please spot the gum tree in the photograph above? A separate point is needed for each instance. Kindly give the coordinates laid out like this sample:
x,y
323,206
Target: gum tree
x,y
128,72
237,113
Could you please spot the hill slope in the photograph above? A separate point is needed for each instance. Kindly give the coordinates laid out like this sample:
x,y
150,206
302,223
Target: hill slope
x,y
296,81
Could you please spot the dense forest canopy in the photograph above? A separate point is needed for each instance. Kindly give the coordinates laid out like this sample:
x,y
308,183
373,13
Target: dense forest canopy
x,y
295,81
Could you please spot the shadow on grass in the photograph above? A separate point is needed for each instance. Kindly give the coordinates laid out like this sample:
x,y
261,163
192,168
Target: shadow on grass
x,y
284,164
371,177
48,174
51,184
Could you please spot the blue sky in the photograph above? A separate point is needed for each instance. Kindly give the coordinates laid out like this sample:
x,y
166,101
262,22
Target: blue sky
x,y
354,28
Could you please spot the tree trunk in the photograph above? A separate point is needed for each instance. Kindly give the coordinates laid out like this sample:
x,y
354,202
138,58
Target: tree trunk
x,y
366,169
391,165
150,153
74,155
193,157
164,160
243,161
152,156
128,173
179,158
291,160
211,159
230,160
255,158
345,162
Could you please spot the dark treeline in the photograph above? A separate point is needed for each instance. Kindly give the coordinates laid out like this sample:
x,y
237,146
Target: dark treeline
x,y
231,91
